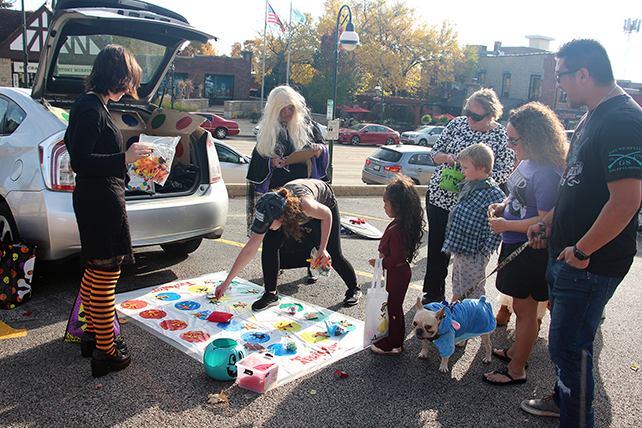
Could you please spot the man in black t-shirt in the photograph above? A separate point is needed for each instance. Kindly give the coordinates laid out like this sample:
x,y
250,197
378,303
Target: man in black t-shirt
x,y
592,229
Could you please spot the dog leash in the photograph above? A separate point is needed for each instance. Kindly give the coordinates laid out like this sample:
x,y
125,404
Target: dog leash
x,y
503,263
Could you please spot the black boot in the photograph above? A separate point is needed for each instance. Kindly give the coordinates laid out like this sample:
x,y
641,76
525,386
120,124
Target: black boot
x,y
88,344
102,362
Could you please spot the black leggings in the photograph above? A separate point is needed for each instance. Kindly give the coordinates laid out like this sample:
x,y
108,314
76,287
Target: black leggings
x,y
274,240
437,266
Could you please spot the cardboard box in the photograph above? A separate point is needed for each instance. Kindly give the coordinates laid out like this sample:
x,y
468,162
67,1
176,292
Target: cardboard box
x,y
164,122
257,372
130,124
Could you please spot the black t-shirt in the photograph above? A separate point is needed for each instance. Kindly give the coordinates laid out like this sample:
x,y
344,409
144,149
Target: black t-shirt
x,y
605,147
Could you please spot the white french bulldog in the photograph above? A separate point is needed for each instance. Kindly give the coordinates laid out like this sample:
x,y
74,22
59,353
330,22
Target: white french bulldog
x,y
446,326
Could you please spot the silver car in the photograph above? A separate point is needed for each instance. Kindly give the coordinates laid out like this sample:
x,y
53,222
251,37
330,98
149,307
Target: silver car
x,y
388,161
36,180
422,136
234,164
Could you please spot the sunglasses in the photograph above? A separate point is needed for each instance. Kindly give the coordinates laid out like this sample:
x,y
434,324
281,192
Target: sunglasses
x,y
513,141
559,75
474,116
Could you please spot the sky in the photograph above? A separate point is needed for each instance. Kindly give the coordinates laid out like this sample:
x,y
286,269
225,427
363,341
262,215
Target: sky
x,y
476,22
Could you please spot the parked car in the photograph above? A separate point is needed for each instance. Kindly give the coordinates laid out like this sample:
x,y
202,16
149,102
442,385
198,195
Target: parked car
x,y
368,133
233,163
36,180
322,128
388,161
219,127
422,136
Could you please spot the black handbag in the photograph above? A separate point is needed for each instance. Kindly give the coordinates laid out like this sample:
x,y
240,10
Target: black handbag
x,y
16,273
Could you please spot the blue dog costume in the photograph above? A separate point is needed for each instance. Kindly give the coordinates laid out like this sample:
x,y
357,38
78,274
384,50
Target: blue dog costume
x,y
470,318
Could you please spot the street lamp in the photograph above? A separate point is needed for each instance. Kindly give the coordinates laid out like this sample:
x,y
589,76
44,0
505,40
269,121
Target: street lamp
x,y
349,41
379,89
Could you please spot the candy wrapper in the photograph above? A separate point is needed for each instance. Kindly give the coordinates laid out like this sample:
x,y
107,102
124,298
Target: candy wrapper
x,y
157,166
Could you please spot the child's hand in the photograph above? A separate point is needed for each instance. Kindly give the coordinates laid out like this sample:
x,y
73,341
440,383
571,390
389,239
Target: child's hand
x,y
372,262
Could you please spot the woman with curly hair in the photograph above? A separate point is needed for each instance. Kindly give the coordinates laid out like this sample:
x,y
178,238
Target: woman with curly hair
x,y
398,248
537,137
281,214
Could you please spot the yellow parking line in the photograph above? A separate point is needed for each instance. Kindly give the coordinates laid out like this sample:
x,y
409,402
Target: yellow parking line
x,y
358,272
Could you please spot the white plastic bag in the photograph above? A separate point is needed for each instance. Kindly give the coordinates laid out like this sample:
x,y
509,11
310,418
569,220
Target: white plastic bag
x,y
376,325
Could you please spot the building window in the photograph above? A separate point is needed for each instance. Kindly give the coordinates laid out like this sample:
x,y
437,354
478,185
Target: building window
x,y
562,97
535,88
481,78
219,86
506,86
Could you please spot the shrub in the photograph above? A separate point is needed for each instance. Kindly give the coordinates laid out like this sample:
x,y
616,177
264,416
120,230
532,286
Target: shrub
x,y
443,121
426,119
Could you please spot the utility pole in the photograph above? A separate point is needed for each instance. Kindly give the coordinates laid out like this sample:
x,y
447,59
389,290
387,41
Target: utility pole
x,y
629,27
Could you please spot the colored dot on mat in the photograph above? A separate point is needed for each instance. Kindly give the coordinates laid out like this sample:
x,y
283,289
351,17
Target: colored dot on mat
x,y
129,120
158,121
183,123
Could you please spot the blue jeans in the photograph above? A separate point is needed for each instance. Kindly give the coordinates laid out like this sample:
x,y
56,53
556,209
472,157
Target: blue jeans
x,y
577,300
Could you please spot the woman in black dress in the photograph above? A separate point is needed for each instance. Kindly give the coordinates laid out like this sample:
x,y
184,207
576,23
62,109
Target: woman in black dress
x,y
98,158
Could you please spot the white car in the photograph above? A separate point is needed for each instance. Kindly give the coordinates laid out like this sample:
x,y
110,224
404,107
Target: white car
x,y
422,136
36,180
234,164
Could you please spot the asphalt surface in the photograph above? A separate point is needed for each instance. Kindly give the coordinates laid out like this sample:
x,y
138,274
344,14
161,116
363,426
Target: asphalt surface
x,y
44,381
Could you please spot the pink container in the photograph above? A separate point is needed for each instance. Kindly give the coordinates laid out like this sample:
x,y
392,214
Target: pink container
x,y
257,372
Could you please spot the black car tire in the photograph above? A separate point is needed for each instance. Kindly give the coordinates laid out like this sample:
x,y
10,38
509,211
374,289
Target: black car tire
x,y
220,133
355,140
8,228
182,248
390,141
423,142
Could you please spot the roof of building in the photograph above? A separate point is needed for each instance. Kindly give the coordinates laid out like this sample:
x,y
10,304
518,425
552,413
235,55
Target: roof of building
x,y
10,20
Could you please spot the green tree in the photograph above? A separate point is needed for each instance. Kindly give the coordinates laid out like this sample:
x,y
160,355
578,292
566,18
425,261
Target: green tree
x,y
195,48
6,4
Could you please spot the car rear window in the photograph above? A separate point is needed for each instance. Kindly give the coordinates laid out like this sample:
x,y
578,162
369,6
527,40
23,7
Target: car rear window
x,y
77,54
387,155
421,159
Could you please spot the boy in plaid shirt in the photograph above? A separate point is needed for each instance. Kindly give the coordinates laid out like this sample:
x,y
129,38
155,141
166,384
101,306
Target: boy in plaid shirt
x,y
468,235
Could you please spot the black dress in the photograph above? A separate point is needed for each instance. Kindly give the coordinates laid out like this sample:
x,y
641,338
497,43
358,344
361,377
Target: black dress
x,y
95,146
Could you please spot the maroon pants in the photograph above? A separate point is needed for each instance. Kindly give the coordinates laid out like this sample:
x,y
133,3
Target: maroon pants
x,y
397,281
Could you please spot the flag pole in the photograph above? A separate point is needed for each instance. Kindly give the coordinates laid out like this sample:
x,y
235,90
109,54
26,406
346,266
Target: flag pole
x,y
287,72
264,45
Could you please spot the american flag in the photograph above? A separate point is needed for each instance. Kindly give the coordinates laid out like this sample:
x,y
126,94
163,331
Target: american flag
x,y
274,18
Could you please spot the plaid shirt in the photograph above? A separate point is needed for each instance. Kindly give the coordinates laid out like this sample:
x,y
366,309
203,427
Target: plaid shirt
x,y
469,233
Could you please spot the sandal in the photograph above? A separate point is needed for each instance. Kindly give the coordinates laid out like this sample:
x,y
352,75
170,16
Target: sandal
x,y
504,372
503,355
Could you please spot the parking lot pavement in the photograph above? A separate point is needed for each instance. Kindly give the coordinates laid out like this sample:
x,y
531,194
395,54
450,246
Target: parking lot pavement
x,y
46,383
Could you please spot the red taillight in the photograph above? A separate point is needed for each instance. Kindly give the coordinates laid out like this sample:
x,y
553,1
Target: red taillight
x,y
368,163
392,168
212,160
62,177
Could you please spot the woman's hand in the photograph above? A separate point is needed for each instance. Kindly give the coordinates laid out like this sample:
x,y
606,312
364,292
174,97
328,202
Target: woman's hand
x,y
447,158
317,149
137,151
496,210
221,289
372,262
322,258
278,162
498,225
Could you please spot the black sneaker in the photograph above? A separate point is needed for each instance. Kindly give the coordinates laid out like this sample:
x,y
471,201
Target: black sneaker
x,y
311,278
430,299
268,299
352,297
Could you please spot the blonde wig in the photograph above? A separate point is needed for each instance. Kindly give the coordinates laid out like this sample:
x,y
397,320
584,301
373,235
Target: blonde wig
x,y
270,124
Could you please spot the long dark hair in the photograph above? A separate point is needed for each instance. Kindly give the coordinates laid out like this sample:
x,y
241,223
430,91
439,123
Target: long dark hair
x,y
405,202
115,69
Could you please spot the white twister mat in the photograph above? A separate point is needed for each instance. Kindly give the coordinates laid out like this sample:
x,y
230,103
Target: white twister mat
x,y
177,313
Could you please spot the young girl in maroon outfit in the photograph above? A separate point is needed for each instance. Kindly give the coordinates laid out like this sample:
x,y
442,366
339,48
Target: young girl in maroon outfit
x,y
398,247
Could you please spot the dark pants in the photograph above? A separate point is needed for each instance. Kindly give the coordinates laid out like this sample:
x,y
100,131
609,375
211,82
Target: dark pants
x,y
397,281
437,266
274,240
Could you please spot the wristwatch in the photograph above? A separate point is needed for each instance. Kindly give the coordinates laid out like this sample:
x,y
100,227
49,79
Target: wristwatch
x,y
579,255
